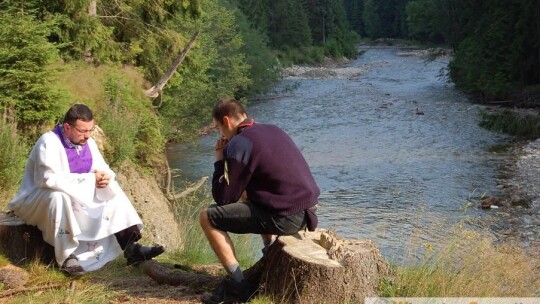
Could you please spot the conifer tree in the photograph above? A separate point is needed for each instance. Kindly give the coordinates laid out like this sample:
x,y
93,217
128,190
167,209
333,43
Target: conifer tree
x,y
26,75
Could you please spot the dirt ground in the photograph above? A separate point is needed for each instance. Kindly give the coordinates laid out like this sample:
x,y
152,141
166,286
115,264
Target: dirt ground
x,y
143,289
133,288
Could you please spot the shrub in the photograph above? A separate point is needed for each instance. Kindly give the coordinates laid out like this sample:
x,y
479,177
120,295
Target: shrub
x,y
13,153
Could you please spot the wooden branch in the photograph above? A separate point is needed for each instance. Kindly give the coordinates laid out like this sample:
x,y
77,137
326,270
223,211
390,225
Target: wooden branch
x,y
155,91
168,182
191,189
261,98
33,288
177,277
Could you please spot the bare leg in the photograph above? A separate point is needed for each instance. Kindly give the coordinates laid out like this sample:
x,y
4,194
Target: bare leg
x,y
268,238
219,240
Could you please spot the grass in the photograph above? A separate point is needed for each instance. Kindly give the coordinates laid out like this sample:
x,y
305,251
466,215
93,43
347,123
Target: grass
x,y
511,122
195,249
13,152
64,290
468,264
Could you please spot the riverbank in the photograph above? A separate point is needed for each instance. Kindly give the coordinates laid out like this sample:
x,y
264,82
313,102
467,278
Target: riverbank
x,y
520,205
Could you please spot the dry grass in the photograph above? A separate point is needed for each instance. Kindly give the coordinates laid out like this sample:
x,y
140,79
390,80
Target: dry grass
x,y
469,264
195,249
85,82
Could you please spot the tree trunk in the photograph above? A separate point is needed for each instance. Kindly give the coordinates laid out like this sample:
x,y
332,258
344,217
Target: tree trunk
x,y
92,8
154,91
21,243
92,11
319,267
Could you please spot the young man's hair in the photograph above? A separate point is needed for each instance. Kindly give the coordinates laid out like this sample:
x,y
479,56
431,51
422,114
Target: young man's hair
x,y
228,107
78,112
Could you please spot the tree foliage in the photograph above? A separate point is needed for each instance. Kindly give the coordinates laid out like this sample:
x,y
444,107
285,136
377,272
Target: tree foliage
x,y
500,56
496,42
27,70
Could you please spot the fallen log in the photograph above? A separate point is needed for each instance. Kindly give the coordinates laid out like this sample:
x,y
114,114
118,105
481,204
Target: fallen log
x,y
176,277
194,187
22,243
308,267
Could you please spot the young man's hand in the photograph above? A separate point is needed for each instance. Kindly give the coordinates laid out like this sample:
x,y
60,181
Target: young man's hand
x,y
219,146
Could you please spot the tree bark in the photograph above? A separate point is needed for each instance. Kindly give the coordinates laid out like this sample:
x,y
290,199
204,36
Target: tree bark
x,y
176,277
155,91
21,243
92,8
319,267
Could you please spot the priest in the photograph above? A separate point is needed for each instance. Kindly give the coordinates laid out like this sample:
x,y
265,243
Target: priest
x,y
70,193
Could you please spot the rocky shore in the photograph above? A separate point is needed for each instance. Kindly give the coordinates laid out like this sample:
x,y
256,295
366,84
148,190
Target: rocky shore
x,y
323,72
521,196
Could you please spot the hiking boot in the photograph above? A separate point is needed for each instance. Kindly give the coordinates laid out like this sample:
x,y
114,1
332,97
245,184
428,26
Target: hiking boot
x,y
135,253
71,266
229,291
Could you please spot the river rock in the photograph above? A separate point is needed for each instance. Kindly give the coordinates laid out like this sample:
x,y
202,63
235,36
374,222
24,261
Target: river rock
x,y
487,203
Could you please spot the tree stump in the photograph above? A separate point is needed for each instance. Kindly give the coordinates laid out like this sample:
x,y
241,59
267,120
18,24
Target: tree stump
x,y
319,267
21,243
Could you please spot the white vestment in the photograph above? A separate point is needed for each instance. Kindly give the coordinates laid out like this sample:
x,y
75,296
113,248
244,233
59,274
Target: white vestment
x,y
73,214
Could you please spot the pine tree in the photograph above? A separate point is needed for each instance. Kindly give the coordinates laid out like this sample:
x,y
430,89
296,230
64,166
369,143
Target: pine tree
x,y
26,75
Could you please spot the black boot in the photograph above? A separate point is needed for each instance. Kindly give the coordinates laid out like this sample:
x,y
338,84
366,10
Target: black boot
x,y
135,253
229,291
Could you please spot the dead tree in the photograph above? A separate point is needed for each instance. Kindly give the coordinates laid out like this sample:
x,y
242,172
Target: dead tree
x,y
155,90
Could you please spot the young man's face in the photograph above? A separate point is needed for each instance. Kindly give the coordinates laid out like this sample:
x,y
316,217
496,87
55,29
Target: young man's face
x,y
224,128
80,132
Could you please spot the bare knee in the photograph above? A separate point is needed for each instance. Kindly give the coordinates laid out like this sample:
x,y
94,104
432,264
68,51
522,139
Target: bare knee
x,y
203,218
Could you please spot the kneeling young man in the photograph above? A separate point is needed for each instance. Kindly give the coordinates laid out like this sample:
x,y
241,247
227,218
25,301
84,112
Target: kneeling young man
x,y
262,161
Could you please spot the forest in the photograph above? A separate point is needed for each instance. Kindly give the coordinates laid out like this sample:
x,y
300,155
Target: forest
x,y
54,53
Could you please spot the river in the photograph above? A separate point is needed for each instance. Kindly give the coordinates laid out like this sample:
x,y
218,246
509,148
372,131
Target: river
x,y
395,149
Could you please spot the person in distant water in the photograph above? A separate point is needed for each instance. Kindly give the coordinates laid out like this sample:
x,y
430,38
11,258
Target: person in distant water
x,y
262,162
71,195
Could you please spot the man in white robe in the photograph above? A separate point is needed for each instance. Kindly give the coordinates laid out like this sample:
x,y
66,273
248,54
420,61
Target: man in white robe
x,y
70,193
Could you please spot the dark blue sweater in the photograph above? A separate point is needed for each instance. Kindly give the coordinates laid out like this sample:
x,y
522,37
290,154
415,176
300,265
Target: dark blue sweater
x,y
264,161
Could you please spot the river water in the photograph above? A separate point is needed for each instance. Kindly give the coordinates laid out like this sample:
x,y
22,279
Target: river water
x,y
395,149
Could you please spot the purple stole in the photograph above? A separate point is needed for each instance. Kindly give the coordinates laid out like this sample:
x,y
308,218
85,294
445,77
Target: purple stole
x,y
79,157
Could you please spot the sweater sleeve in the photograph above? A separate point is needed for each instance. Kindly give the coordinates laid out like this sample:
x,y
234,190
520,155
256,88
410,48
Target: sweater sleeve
x,y
232,175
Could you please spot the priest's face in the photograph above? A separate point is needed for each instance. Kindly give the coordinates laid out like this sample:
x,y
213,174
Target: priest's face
x,y
80,132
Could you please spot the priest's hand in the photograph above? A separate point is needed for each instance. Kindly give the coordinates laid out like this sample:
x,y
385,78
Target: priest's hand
x,y
102,179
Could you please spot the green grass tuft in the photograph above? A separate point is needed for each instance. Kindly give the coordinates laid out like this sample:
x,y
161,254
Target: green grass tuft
x,y
516,123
